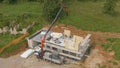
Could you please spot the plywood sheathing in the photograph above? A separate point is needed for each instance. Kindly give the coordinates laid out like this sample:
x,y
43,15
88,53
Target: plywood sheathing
x,y
67,33
77,41
73,44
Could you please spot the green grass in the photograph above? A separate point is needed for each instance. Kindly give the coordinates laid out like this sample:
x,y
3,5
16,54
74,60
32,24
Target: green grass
x,y
103,66
89,16
12,48
32,9
6,38
113,62
14,10
114,43
106,46
80,15
25,13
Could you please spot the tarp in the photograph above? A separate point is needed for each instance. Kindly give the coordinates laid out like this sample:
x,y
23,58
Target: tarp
x,y
27,53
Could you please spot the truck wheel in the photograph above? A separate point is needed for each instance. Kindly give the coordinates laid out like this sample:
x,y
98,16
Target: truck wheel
x,y
60,63
45,59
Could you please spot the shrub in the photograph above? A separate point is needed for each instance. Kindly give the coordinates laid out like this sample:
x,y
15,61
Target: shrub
x,y
109,7
10,1
1,1
50,9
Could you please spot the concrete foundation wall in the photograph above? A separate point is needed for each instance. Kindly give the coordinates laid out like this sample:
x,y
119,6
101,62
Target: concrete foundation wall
x,y
30,44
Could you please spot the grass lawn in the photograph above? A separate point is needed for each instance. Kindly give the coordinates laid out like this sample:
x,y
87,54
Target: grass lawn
x,y
6,38
89,16
84,15
14,10
12,48
19,12
114,44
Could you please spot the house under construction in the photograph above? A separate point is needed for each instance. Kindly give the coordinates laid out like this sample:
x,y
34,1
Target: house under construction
x,y
67,45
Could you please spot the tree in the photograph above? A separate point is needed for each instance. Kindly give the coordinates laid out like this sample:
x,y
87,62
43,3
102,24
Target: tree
x,y
1,17
1,1
10,1
50,8
109,7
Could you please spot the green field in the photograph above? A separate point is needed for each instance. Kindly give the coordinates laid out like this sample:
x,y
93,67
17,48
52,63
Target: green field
x,y
24,13
113,44
89,16
6,38
14,10
84,15
12,48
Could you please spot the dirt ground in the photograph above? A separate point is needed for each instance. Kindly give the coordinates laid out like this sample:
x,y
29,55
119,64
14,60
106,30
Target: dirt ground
x,y
18,62
97,55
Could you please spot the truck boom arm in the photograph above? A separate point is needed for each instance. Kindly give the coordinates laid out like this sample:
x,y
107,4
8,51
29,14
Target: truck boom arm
x,y
55,19
44,37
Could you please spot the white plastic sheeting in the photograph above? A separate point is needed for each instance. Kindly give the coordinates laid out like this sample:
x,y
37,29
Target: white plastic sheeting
x,y
27,53
56,35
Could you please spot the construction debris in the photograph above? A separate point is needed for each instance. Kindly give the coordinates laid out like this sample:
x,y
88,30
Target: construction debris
x,y
13,30
1,30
